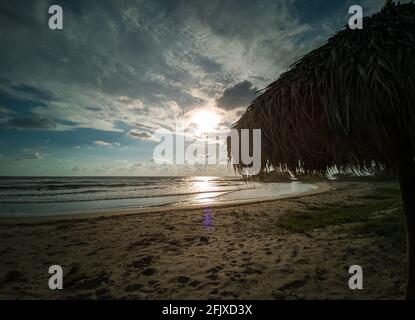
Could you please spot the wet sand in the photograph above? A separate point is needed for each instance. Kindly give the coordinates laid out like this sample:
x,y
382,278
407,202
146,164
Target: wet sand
x,y
231,252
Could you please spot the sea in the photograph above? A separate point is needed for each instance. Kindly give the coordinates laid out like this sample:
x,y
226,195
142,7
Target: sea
x,y
39,196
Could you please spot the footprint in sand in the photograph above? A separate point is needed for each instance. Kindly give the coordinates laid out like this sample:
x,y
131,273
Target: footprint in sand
x,y
149,272
194,283
146,241
190,239
294,253
214,291
87,283
302,261
229,293
82,296
295,284
286,270
321,274
143,262
250,270
153,283
104,294
174,243
212,276
183,279
215,269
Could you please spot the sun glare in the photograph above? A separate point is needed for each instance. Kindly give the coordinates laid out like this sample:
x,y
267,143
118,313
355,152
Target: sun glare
x,y
206,121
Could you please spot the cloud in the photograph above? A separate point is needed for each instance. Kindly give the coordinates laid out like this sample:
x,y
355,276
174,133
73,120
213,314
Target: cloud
x,y
165,59
32,155
32,122
102,143
138,134
237,96
32,92
4,112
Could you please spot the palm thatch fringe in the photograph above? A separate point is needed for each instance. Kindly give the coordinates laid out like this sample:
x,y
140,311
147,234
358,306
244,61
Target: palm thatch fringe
x,y
348,104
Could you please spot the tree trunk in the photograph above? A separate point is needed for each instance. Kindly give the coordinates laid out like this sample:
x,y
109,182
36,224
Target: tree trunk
x,y
407,183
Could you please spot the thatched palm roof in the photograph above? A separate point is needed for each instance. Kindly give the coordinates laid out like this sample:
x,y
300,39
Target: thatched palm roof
x,y
350,103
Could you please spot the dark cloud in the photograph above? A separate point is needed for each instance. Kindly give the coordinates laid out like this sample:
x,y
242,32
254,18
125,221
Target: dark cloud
x,y
98,108
137,134
239,95
4,112
32,122
207,64
33,92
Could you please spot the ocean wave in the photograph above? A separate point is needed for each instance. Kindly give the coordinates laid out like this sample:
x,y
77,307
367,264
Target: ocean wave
x,y
22,201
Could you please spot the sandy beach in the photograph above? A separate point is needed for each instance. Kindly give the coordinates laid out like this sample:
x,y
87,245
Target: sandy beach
x,y
246,251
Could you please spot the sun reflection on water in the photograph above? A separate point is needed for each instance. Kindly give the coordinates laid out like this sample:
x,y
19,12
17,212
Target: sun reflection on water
x,y
202,184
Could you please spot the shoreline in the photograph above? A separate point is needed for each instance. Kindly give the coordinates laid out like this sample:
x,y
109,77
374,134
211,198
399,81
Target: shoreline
x,y
322,187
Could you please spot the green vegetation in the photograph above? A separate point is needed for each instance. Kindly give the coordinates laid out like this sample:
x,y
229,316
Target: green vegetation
x,y
378,214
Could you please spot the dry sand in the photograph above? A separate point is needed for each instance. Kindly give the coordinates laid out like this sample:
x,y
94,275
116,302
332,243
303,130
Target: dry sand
x,y
172,255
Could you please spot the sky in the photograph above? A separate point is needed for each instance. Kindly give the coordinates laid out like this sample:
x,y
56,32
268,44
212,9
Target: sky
x,y
89,99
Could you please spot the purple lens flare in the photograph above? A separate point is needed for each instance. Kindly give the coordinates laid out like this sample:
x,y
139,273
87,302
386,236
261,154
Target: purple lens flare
x,y
207,218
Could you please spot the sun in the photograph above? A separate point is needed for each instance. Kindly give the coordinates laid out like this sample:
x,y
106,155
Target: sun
x,y
206,121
